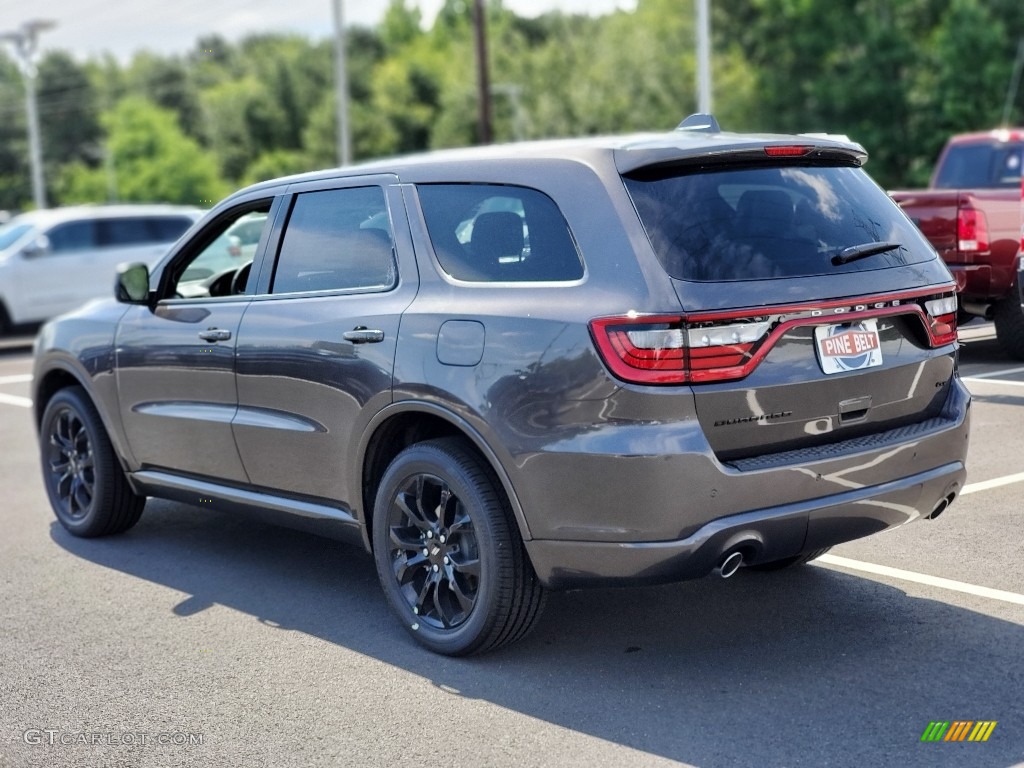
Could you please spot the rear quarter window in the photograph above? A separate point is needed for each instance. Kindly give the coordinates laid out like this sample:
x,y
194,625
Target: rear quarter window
x,y
769,222
492,233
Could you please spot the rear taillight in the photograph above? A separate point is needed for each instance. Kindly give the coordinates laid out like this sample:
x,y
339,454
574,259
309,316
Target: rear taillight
x,y
941,314
665,350
971,231
724,346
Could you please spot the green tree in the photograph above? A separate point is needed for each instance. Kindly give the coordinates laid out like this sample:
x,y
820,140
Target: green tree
x,y
15,186
152,160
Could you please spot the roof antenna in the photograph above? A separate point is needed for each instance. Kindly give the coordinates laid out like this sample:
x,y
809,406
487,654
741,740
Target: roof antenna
x,y
700,122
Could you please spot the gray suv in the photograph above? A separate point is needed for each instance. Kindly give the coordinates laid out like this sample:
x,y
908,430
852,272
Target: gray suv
x,y
503,370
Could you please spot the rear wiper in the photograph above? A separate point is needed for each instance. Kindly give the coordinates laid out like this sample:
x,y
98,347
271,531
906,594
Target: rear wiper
x,y
862,251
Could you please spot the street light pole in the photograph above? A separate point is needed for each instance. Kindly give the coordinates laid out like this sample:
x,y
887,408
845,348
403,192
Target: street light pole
x,y
703,58
25,44
341,85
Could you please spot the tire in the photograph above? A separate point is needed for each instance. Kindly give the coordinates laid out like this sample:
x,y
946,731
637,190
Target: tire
x,y
1009,321
84,480
789,562
448,554
5,320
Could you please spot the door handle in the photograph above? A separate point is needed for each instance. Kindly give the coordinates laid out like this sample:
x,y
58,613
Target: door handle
x,y
363,335
215,334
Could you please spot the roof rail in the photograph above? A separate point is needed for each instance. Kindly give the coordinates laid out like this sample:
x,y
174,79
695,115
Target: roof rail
x,y
700,122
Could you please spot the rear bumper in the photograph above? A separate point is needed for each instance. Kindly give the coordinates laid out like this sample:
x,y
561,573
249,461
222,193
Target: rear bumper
x,y
762,535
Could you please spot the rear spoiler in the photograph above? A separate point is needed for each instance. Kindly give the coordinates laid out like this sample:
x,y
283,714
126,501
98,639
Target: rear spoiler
x,y
731,149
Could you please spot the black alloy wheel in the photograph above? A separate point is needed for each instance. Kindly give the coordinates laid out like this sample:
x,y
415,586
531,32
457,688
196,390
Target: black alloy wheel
x,y
84,481
448,554
434,553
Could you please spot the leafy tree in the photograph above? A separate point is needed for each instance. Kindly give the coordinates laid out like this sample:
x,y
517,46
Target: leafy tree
x,y
15,183
68,115
151,160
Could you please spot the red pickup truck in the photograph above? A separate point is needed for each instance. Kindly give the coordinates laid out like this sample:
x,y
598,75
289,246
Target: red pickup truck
x,y
972,214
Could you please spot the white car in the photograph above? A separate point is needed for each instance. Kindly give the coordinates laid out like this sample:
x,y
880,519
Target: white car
x,y
55,260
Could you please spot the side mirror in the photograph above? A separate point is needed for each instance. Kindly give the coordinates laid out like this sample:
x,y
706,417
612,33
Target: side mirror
x,y
132,283
38,247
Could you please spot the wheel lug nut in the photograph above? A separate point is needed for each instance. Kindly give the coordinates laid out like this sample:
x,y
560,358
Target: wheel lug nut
x,y
430,534
426,552
447,561
436,569
441,539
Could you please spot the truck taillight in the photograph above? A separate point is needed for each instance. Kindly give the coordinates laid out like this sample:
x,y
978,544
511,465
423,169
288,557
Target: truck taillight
x,y
971,231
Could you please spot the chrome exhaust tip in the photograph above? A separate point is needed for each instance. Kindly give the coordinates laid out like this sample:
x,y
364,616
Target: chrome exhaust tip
x,y
941,506
729,565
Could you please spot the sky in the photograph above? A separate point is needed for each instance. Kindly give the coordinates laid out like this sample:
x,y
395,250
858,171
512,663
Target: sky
x,y
88,28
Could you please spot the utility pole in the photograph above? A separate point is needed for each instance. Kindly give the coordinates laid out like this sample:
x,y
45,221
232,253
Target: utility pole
x,y
483,75
703,57
25,44
341,86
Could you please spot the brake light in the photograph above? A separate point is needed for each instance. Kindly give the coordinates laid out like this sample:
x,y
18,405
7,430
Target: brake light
x,y
971,231
787,151
664,350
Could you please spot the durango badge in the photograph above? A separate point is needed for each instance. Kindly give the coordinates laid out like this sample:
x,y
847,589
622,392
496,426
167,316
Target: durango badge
x,y
848,346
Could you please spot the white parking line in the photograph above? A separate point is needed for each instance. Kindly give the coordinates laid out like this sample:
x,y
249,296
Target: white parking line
x,y
994,374
21,378
995,483
24,402
1010,382
920,578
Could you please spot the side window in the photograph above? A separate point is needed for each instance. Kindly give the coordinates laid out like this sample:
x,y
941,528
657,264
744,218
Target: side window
x,y
118,233
167,229
138,230
495,233
337,239
72,236
219,264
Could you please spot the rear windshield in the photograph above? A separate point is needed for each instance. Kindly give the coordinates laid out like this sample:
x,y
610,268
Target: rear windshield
x,y
770,222
980,166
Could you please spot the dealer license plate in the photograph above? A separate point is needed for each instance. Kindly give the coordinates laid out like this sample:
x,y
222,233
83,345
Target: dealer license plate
x,y
848,346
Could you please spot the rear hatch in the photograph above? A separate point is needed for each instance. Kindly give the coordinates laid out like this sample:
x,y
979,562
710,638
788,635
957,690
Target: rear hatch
x,y
813,311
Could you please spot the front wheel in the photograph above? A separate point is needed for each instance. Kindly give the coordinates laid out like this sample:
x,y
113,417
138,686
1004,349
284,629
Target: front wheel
x,y
84,481
451,563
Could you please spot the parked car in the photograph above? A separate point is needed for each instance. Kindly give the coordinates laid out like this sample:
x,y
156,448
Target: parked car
x,y
972,214
718,350
54,260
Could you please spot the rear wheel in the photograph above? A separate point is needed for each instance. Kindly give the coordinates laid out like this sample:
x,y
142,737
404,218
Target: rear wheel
x,y
1009,321
84,481
789,562
451,563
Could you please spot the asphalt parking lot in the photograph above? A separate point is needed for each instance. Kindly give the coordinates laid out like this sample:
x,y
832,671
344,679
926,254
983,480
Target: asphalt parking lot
x,y
204,640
